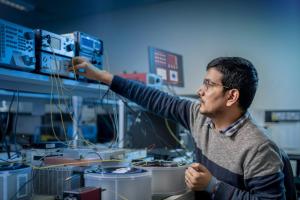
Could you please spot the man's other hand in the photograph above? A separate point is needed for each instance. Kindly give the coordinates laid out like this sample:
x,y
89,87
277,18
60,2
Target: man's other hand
x,y
197,177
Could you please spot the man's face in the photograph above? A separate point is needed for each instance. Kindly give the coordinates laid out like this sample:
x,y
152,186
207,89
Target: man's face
x,y
212,94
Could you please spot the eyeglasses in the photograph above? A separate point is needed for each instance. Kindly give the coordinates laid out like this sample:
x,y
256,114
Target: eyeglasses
x,y
209,84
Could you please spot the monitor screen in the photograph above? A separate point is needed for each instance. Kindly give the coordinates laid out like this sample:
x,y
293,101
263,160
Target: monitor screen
x,y
106,132
147,130
55,43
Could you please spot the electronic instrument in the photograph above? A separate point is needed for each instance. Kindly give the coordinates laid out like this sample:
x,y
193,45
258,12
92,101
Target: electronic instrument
x,y
17,46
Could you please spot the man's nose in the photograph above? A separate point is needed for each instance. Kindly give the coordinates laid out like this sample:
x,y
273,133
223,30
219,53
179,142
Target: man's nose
x,y
200,91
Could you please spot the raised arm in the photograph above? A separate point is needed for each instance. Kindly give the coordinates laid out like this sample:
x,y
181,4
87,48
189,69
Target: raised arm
x,y
159,102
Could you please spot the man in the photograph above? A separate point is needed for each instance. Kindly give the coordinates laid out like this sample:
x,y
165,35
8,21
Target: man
x,y
235,160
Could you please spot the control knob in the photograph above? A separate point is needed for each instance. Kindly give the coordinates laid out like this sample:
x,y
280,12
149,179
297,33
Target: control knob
x,y
70,47
28,60
29,35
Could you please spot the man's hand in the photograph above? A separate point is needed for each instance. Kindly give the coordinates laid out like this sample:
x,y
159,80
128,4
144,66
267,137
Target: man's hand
x,y
82,67
197,177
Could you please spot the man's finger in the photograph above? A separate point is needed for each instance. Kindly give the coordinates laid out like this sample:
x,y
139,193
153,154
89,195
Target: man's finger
x,y
77,60
202,168
81,66
199,167
80,73
191,183
195,165
188,180
189,174
193,172
188,183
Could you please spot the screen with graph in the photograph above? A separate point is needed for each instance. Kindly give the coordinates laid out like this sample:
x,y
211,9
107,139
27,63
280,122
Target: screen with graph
x,y
168,65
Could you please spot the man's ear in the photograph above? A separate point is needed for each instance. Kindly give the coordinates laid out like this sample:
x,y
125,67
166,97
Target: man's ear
x,y
233,96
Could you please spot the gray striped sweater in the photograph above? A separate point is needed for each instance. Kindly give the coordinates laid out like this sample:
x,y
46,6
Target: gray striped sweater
x,y
247,164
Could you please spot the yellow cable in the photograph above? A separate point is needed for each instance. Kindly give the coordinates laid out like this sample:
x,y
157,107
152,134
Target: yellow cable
x,y
58,92
51,111
74,163
173,135
59,82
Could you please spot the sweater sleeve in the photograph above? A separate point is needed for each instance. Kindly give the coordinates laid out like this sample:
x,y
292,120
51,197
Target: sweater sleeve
x,y
263,177
158,102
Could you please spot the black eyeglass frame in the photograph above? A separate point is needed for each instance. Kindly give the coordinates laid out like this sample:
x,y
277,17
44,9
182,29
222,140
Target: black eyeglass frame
x,y
209,84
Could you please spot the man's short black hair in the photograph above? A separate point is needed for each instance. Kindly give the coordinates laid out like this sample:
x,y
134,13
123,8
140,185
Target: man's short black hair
x,y
238,73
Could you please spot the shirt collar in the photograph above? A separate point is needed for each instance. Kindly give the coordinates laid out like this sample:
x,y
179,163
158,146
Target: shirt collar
x,y
232,128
